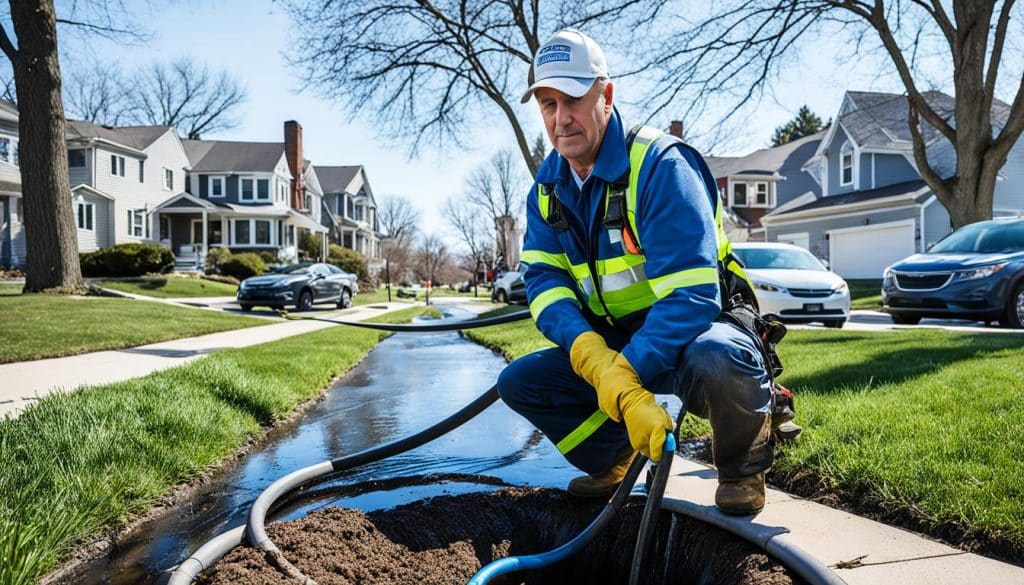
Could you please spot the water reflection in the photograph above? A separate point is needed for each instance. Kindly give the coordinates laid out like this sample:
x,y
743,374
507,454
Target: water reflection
x,y
407,383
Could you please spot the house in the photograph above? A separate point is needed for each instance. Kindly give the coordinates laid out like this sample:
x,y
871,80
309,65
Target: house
x,y
873,207
750,186
350,210
240,195
12,233
118,176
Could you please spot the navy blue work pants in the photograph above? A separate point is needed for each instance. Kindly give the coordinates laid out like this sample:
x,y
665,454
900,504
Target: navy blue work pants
x,y
721,377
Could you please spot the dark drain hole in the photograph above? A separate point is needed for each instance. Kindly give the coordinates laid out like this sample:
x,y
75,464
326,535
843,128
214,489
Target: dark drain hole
x,y
446,539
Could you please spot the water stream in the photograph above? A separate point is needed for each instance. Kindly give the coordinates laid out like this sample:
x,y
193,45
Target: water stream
x,y
405,384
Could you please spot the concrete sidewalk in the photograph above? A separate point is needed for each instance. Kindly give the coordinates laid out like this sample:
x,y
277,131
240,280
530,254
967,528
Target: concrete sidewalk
x,y
22,383
858,550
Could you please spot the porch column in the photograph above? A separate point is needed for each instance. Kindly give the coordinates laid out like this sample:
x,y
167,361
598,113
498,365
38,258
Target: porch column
x,y
323,247
201,257
225,236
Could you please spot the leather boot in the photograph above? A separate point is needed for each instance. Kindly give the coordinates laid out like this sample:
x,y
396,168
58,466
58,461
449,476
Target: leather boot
x,y
603,484
742,496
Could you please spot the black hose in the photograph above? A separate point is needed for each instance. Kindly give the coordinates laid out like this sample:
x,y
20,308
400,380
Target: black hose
x,y
655,493
422,328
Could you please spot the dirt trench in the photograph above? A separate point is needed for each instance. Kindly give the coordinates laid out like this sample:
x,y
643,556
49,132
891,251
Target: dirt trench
x,y
445,540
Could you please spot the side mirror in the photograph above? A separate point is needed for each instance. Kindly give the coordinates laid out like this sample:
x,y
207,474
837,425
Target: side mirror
x,y
825,262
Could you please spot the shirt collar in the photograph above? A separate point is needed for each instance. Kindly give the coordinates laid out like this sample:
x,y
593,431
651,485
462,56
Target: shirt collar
x,y
612,159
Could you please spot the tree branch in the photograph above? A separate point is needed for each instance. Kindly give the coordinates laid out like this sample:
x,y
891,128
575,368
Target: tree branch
x,y
7,46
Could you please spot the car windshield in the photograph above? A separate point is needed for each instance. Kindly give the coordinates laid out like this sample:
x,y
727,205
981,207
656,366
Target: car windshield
x,y
792,258
294,269
984,238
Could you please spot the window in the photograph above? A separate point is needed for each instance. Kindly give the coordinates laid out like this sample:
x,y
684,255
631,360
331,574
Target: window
x,y
739,194
282,191
165,227
85,215
216,186
168,180
761,196
247,190
142,171
263,189
846,162
116,165
17,155
307,201
137,223
76,157
262,232
5,149
242,231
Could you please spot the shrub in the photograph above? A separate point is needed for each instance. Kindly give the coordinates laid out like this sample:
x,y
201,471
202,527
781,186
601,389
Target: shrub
x,y
215,258
310,244
347,260
242,266
128,260
221,278
268,257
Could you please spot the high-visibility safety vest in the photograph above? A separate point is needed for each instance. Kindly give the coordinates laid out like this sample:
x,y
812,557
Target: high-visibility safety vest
x,y
617,287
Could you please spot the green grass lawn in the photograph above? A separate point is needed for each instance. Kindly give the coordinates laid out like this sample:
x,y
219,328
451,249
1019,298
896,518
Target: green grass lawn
x,y
925,425
40,326
169,287
866,294
75,465
7,289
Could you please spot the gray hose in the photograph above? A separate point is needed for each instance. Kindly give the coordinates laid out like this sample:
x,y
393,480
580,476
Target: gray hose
x,y
443,325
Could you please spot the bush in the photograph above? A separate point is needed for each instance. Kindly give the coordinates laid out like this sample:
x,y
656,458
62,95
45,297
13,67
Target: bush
x,y
268,257
242,266
221,278
310,244
215,258
347,260
127,260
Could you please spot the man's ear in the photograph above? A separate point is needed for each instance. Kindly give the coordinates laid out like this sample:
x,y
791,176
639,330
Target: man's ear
x,y
609,93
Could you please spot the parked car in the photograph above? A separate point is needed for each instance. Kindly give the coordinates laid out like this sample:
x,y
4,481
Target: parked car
x,y
976,272
793,285
509,287
299,284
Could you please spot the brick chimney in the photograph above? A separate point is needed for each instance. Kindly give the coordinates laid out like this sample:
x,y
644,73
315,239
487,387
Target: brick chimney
x,y
293,154
675,128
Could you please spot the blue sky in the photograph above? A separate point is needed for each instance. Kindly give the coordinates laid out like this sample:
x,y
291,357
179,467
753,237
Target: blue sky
x,y
249,37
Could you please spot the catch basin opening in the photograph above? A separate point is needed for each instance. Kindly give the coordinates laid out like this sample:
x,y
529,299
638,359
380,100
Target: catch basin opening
x,y
446,539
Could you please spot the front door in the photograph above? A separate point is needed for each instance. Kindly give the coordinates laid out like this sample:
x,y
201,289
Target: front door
x,y
214,233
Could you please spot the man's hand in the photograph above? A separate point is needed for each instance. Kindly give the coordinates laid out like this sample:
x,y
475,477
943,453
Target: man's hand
x,y
590,357
621,396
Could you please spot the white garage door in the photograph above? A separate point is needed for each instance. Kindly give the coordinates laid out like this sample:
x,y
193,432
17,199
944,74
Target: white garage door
x,y
864,252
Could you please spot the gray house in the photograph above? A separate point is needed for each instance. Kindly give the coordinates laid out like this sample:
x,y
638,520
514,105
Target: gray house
x,y
870,206
350,210
12,232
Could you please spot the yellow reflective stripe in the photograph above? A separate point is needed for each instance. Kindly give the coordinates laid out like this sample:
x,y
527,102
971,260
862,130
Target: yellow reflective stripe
x,y
619,264
539,257
550,296
664,285
637,154
580,433
543,202
579,271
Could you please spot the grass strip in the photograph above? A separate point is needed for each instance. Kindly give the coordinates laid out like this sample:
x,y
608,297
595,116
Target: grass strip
x,y
866,294
170,287
927,425
37,326
77,464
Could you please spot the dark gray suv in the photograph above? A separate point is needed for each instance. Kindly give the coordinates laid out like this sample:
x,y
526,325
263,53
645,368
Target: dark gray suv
x,y
976,272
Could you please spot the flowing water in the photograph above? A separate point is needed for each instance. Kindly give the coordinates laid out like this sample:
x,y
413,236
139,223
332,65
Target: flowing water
x,y
405,384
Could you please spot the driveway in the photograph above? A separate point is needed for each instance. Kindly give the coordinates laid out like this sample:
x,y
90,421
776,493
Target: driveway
x,y
877,321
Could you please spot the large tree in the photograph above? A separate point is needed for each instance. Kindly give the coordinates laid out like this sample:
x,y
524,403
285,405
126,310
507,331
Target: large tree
x,y
399,220
803,124
99,94
496,190
474,232
52,248
745,44
187,95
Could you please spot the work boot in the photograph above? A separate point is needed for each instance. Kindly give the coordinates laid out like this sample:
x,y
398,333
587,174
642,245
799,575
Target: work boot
x,y
742,496
603,484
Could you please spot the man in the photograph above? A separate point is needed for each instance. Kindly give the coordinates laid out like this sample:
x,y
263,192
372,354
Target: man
x,y
624,278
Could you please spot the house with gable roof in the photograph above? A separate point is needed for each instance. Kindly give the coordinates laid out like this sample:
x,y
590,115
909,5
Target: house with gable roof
x,y
872,207
350,210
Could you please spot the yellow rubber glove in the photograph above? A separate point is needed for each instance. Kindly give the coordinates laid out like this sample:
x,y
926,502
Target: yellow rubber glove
x,y
590,356
621,396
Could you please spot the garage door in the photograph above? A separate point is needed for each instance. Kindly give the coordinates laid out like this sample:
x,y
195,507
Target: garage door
x,y
865,252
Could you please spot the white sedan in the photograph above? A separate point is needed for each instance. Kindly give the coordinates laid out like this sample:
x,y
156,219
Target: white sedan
x,y
792,284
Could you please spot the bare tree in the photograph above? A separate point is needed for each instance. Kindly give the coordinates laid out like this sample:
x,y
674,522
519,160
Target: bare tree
x,y
497,190
473,231
740,48
433,257
398,218
7,91
188,96
98,94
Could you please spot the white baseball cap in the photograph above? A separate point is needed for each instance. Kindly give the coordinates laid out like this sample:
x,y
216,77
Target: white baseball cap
x,y
569,61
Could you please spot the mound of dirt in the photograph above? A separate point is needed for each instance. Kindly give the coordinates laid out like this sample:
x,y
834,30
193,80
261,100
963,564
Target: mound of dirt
x,y
445,540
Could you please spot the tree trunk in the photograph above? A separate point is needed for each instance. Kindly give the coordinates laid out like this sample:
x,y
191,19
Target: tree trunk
x,y
51,238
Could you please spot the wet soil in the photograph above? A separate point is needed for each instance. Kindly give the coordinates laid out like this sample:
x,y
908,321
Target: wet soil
x,y
447,539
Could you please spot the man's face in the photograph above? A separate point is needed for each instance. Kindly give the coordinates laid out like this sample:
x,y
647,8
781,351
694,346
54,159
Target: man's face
x,y
576,126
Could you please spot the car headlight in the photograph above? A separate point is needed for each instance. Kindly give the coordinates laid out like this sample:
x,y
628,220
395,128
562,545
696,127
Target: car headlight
x,y
887,273
244,285
843,287
983,272
767,286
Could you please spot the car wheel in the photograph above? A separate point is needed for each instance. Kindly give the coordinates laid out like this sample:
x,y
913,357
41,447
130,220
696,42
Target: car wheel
x,y
1014,315
305,302
904,319
501,296
246,308
346,299
835,324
